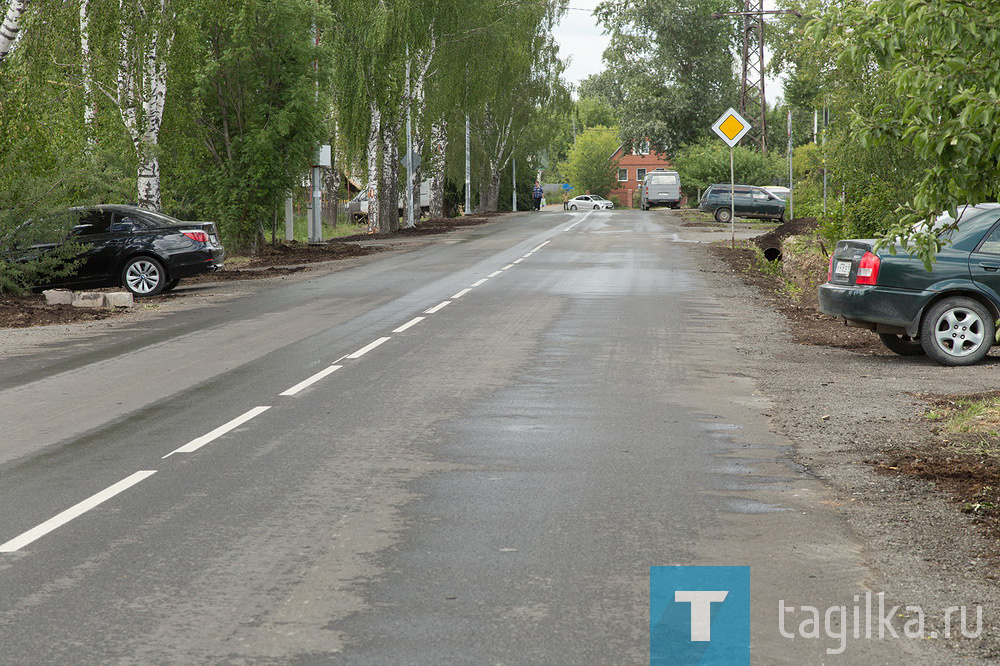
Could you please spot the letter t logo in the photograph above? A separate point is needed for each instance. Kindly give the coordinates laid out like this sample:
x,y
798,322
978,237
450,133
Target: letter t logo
x,y
701,610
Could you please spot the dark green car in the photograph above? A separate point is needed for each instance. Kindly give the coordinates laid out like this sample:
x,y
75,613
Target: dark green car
x,y
949,313
747,201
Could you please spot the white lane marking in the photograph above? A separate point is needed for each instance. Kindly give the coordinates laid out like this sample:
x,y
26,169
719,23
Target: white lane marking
x,y
580,220
476,284
437,307
507,266
340,359
199,442
517,261
74,511
540,246
493,274
412,322
367,348
312,380
527,255
461,293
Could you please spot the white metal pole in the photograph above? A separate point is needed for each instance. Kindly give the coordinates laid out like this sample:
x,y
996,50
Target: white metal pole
x,y
791,183
513,183
732,198
468,170
289,218
409,151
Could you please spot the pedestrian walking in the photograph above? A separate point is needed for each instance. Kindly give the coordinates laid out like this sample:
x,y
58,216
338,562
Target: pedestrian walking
x,y
537,194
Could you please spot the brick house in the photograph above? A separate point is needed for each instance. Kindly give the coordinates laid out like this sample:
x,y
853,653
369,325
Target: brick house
x,y
632,168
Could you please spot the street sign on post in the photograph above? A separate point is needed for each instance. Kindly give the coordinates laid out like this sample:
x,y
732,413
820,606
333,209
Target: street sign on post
x,y
731,127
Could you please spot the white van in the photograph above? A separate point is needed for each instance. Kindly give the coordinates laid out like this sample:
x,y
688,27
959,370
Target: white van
x,y
661,188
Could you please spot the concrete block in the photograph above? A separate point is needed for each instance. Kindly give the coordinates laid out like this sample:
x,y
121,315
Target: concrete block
x,y
58,296
118,299
88,299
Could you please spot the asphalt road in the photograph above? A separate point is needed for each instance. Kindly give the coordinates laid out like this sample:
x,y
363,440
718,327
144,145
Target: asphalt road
x,y
467,453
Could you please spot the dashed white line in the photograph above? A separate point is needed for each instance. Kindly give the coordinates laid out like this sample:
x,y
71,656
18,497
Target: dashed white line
x,y
507,266
572,225
479,282
493,274
461,293
74,511
367,348
312,380
517,261
412,322
540,246
199,442
437,307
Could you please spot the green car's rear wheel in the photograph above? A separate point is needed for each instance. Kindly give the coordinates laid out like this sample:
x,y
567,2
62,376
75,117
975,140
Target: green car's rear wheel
x,y
957,331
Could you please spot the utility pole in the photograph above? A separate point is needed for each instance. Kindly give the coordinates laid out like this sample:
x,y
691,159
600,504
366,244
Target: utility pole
x,y
513,183
753,101
791,183
468,169
409,150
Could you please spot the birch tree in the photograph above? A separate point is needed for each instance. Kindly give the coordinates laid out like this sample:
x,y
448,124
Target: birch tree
x,y
146,37
11,26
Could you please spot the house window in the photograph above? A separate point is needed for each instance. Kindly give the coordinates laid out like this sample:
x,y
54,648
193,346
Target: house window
x,y
644,147
622,175
640,174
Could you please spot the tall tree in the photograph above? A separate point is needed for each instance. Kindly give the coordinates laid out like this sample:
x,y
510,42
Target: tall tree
x,y
11,26
670,68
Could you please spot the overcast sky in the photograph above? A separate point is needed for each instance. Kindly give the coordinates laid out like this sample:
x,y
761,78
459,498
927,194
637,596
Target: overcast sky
x,y
580,37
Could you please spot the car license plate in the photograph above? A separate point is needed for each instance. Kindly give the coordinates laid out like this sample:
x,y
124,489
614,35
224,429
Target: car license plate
x,y
843,268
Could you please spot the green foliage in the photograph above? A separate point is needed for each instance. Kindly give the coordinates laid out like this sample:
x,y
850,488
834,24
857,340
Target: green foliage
x,y
670,70
945,95
589,166
706,162
248,84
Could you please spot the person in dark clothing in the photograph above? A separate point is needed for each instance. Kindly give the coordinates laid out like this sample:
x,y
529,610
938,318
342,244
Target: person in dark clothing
x,y
536,194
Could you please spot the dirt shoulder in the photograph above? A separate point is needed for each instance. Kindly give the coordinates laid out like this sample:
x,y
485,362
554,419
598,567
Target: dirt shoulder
x,y
857,413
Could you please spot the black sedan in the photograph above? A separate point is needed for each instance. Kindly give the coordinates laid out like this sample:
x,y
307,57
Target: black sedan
x,y
949,313
140,250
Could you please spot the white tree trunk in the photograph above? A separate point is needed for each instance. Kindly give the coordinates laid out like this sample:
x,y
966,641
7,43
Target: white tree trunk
x,y
374,131
439,146
89,105
11,26
142,92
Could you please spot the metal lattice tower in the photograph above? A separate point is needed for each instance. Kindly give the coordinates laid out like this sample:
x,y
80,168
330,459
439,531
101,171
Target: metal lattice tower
x,y
753,105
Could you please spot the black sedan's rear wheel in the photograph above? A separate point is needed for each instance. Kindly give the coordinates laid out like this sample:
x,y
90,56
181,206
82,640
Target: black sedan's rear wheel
x,y
144,276
903,345
723,215
170,285
957,331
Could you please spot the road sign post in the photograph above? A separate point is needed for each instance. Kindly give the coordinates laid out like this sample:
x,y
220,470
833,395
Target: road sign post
x,y
731,127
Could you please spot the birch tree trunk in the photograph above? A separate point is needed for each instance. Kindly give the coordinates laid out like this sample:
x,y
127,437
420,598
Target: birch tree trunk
x,y
89,105
11,26
389,215
374,131
142,91
439,145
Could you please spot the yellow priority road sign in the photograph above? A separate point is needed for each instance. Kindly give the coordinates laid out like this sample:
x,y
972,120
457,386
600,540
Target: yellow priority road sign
x,y
731,127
